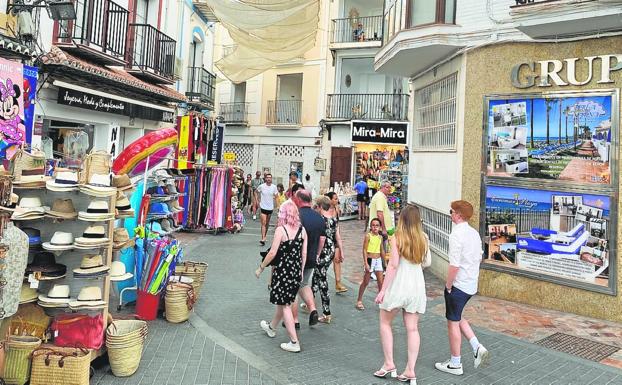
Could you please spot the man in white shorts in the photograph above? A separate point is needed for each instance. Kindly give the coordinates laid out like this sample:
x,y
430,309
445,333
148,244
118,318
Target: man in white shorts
x,y
267,198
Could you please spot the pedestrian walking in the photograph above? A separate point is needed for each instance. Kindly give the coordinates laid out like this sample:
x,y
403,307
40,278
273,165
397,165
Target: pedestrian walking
x,y
465,255
361,189
315,227
333,239
267,200
289,252
373,256
404,289
280,196
335,212
255,183
247,193
379,208
309,186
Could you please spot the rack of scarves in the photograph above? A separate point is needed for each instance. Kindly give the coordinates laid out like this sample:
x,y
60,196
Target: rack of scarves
x,y
208,203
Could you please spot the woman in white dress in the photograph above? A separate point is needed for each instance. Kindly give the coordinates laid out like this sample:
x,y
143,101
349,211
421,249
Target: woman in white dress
x,y
404,289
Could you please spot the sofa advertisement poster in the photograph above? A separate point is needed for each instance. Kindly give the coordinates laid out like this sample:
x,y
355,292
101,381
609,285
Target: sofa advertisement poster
x,y
555,233
557,138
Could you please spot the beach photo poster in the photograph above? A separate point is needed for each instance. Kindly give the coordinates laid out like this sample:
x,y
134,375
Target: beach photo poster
x,y
548,232
565,138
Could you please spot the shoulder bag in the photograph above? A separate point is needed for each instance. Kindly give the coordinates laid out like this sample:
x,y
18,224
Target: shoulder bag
x,y
277,258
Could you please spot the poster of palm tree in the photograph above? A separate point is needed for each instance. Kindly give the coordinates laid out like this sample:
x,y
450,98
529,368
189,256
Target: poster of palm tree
x,y
557,137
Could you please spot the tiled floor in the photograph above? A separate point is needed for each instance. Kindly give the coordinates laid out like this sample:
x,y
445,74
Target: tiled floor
x,y
526,322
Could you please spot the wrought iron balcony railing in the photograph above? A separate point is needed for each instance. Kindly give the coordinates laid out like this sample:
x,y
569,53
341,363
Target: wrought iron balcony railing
x,y
234,112
153,52
367,106
284,112
358,29
201,85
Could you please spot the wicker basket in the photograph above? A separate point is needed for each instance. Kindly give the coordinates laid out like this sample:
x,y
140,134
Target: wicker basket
x,y
179,301
97,162
17,359
60,366
125,341
194,270
25,160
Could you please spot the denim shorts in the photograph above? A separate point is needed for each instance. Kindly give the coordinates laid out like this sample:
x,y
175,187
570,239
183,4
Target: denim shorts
x,y
455,303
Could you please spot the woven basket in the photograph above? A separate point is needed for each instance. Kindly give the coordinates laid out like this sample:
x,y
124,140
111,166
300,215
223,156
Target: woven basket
x,y
179,301
24,160
125,341
30,320
17,359
194,270
60,366
97,162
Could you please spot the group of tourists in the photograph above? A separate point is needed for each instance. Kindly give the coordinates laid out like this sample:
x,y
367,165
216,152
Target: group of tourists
x,y
307,240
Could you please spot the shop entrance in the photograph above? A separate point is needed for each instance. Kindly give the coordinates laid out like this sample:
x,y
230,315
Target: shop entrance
x,y
340,165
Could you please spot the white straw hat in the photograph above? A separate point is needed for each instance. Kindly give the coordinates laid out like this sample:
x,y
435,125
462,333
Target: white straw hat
x,y
97,211
60,241
118,272
89,297
58,296
91,264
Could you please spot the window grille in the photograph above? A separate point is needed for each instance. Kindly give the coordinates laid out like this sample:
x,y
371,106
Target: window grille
x,y
435,116
437,226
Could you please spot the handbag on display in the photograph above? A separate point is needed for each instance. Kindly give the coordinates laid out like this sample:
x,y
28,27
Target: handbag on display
x,y
60,366
78,330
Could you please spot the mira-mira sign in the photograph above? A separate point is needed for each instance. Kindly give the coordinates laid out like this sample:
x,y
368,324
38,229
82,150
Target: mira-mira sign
x,y
379,132
546,73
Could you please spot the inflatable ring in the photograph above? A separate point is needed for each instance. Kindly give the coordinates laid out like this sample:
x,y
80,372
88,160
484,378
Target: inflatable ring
x,y
156,145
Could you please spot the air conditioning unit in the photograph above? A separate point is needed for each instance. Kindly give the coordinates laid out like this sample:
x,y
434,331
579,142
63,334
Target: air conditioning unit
x,y
179,68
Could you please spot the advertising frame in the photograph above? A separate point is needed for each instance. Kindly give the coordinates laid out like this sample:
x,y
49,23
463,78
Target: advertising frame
x,y
555,185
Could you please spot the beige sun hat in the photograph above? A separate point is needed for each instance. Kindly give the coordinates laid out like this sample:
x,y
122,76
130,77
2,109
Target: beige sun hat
x,y
121,239
27,294
62,209
28,208
89,297
91,264
92,236
64,181
118,272
58,296
60,241
98,210
122,182
99,186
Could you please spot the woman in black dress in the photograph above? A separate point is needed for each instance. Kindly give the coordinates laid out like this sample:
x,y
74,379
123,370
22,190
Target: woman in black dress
x,y
289,250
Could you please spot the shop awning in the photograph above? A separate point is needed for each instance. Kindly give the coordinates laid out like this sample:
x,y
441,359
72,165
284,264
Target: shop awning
x,y
65,67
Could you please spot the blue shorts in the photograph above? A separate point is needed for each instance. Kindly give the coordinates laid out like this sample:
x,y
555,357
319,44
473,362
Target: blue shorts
x,y
455,303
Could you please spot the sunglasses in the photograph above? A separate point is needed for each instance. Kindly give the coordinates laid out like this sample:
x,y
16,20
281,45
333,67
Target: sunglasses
x,y
451,211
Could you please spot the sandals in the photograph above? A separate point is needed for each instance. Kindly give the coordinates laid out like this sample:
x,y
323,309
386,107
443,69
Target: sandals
x,y
410,380
383,373
359,306
325,319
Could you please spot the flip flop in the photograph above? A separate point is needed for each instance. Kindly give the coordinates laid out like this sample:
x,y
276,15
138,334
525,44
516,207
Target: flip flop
x,y
359,306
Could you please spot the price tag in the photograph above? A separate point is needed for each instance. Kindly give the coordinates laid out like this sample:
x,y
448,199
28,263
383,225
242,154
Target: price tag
x,y
34,283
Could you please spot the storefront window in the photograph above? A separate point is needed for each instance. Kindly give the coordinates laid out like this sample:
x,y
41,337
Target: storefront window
x,y
549,198
70,142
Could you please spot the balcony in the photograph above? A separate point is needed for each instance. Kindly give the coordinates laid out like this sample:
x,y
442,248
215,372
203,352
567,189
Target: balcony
x,y
99,32
367,107
152,54
234,113
540,19
200,86
359,32
284,113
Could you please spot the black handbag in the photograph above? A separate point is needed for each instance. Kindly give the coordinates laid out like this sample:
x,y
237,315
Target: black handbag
x,y
277,258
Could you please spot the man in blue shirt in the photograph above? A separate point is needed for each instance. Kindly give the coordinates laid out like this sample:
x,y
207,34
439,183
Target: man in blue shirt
x,y
361,198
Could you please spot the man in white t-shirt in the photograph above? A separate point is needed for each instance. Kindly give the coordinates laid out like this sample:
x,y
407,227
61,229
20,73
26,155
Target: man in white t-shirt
x,y
267,197
465,255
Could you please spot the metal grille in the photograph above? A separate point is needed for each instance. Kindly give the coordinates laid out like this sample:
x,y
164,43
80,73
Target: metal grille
x,y
577,346
435,115
437,226
243,153
290,151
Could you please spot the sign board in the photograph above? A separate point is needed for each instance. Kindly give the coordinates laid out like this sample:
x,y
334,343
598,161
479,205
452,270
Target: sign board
x,y
182,143
114,132
93,102
216,143
319,164
379,132
229,156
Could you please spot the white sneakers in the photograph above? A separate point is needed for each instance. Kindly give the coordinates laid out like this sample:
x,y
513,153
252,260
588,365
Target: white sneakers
x,y
481,356
447,368
254,217
290,346
268,329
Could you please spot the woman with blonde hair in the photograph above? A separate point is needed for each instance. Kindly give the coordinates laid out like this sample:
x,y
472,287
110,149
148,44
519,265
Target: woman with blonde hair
x,y
404,289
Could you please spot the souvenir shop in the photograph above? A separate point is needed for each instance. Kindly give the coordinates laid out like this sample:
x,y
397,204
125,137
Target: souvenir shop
x,y
378,153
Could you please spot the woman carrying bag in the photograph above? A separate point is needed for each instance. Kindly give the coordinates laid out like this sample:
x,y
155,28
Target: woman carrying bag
x,y
287,256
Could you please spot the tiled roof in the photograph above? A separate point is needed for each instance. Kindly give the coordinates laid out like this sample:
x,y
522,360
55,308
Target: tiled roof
x,y
10,44
58,57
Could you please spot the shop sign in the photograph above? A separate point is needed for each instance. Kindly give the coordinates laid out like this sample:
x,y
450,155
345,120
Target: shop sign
x,y
379,132
545,73
229,156
113,140
216,144
182,143
319,164
93,102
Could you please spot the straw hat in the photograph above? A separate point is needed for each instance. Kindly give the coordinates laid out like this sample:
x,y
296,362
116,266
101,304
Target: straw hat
x,y
60,241
118,272
58,296
97,211
62,209
92,236
99,186
27,294
91,264
89,297
122,182
28,208
121,239
64,181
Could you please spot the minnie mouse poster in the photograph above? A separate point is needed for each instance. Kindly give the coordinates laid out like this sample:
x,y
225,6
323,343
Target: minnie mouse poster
x,y
11,122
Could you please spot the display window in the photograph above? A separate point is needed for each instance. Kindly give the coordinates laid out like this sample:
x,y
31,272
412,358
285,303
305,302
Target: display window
x,y
67,142
549,186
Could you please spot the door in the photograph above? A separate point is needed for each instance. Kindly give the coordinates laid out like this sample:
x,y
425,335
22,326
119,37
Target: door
x,y
340,165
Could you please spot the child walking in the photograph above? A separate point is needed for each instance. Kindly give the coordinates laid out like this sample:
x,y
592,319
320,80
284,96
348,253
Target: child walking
x,y
280,196
373,255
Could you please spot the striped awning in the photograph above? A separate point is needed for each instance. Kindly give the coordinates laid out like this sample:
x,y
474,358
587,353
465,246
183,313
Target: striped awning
x,y
205,10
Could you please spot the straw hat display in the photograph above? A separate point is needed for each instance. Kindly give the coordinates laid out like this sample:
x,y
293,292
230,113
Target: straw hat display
x,y
121,239
27,294
98,186
60,241
123,206
63,182
44,266
118,272
96,212
93,236
89,298
122,182
28,208
62,209
92,266
57,297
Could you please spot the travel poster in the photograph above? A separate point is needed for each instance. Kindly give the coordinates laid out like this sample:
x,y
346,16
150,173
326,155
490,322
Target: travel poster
x,y
556,138
562,234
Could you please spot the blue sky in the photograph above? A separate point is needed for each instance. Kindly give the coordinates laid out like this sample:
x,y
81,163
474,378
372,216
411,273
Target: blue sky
x,y
539,114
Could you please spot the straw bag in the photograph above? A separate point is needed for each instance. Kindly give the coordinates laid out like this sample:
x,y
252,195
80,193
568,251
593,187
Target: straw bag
x,y
17,361
30,320
26,161
125,340
97,162
60,366
179,301
194,270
